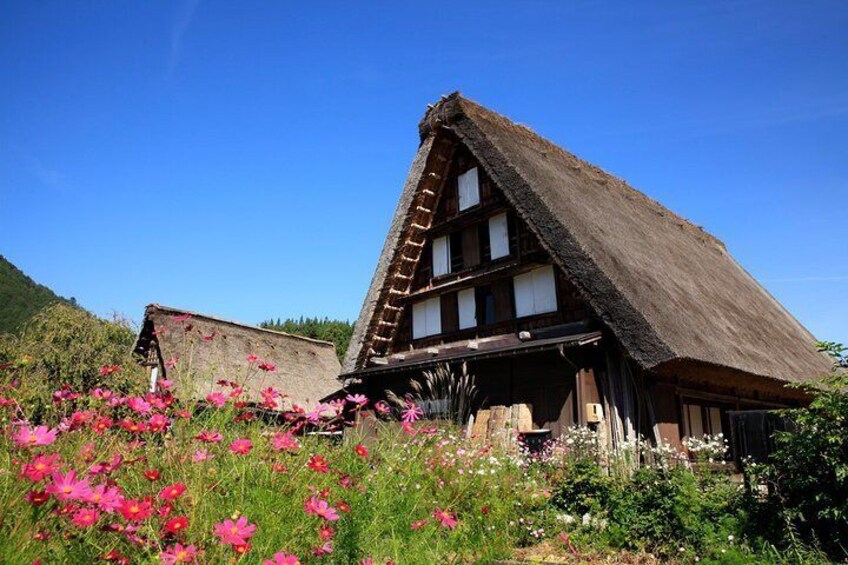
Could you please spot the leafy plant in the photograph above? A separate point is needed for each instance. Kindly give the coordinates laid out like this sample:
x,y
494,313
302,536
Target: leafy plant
x,y
808,473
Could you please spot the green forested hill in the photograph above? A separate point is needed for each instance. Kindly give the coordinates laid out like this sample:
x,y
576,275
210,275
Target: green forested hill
x,y
20,297
336,331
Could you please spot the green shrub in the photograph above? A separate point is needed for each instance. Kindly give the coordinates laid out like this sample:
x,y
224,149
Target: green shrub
x,y
585,488
808,473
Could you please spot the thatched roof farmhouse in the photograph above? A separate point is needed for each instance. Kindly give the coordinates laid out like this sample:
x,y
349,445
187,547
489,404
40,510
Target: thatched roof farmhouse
x,y
195,351
563,287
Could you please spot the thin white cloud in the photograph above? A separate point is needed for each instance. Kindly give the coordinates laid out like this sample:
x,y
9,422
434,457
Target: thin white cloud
x,y
182,21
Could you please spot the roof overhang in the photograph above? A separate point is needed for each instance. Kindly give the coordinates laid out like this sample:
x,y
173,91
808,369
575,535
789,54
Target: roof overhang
x,y
524,348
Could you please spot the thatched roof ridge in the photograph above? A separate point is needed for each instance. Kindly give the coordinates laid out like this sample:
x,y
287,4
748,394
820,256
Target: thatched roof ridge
x,y
208,349
179,312
667,289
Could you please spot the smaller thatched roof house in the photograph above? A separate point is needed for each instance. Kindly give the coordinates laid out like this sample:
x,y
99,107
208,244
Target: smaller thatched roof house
x,y
196,351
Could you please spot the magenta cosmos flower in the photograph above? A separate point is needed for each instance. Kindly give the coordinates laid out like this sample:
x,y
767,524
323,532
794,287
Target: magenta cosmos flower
x,y
39,435
282,559
284,442
40,467
241,446
209,436
178,553
235,533
85,517
106,498
216,398
411,413
317,507
358,399
447,519
67,487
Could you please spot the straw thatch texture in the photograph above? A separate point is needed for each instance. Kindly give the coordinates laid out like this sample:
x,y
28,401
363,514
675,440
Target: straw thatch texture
x,y
668,290
208,349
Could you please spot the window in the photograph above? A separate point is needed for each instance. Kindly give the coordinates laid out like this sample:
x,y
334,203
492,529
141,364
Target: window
x,y
699,420
468,187
426,318
467,308
535,292
485,305
441,256
498,236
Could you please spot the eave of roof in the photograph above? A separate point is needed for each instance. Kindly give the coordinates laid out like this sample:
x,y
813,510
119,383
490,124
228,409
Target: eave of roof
x,y
534,346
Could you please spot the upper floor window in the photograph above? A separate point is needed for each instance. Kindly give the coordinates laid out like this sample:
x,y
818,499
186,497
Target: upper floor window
x,y
535,292
427,318
441,256
467,306
468,186
498,236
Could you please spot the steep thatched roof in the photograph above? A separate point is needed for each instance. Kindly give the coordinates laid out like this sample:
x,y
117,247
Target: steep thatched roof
x,y
208,349
669,291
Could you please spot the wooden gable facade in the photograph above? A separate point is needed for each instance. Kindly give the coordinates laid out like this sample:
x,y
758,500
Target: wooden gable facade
x,y
507,255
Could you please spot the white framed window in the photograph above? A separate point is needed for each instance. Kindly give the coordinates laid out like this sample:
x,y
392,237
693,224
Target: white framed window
x,y
535,292
427,318
441,256
469,189
499,236
467,303
699,420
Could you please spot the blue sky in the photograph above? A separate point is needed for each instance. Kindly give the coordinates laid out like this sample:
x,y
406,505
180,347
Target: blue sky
x,y
244,160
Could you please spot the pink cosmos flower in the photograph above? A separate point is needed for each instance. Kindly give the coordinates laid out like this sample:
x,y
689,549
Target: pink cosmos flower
x,y
165,384
314,416
172,362
317,507
40,467
216,398
412,412
321,550
209,436
252,358
39,435
106,498
178,553
101,393
67,487
158,423
172,492
85,517
139,405
101,424
201,455
235,533
382,407
282,559
418,524
285,442
358,399
109,369
241,446
267,366
447,519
